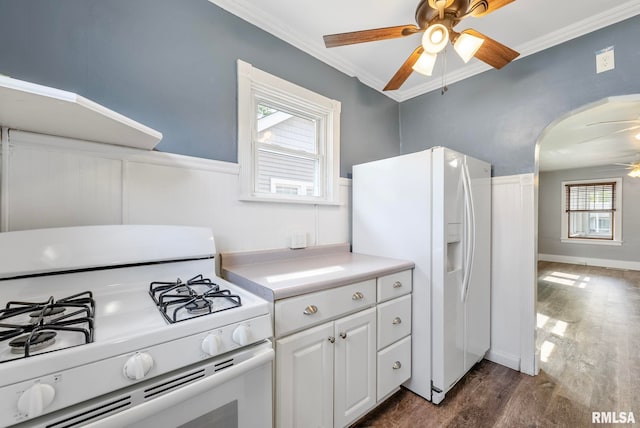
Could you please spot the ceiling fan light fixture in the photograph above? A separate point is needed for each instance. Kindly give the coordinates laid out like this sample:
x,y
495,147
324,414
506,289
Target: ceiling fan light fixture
x,y
437,4
435,38
467,45
425,63
635,172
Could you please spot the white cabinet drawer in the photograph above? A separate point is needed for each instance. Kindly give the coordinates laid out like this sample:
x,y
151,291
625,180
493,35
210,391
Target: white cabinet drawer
x,y
394,285
303,311
394,367
394,320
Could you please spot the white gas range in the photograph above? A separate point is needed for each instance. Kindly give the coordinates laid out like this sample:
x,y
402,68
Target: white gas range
x,y
128,325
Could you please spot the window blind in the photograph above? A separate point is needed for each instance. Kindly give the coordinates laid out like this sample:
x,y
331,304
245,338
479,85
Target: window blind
x,y
591,197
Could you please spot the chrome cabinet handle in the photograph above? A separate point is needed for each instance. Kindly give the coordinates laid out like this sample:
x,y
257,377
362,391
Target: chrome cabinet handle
x,y
332,339
397,365
343,335
357,296
397,320
310,310
397,284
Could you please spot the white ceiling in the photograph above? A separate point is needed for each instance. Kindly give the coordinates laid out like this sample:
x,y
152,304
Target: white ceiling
x,y
528,26
602,133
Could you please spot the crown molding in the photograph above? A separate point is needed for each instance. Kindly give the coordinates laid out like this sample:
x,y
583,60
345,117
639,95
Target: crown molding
x,y
607,17
244,10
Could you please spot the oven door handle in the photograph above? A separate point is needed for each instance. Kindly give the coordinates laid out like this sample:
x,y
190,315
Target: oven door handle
x,y
158,404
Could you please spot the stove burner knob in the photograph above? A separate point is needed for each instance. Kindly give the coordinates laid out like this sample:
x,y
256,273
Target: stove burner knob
x,y
138,365
211,345
34,400
242,335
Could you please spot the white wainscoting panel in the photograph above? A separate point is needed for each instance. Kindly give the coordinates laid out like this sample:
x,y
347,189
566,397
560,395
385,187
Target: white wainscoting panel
x,y
162,194
50,186
513,273
334,221
61,182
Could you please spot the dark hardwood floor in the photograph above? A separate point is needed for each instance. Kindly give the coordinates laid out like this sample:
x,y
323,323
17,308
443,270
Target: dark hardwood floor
x,y
589,336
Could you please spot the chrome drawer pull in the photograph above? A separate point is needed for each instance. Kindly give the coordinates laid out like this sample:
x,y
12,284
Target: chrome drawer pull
x,y
332,339
397,320
357,296
397,365
397,284
310,310
343,335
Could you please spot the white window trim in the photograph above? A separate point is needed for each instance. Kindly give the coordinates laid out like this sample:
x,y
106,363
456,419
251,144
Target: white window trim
x,y
617,215
252,82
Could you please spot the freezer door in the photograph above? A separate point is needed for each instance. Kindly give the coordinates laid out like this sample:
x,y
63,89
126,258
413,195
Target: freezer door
x,y
448,251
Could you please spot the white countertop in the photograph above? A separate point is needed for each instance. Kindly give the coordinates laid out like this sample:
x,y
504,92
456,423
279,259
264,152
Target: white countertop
x,y
279,274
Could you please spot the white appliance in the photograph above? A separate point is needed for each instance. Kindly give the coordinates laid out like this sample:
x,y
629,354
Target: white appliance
x,y
434,208
111,326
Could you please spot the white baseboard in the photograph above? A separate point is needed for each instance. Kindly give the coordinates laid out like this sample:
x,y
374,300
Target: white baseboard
x,y
504,359
615,264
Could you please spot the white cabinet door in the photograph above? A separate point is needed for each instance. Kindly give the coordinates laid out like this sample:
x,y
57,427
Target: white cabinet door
x,y
304,378
355,366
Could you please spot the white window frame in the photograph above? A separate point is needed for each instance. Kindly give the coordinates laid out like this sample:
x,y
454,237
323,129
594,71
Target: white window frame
x,y
617,214
256,85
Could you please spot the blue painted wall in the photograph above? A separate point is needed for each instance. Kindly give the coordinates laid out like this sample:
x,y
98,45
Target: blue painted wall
x,y
171,64
498,115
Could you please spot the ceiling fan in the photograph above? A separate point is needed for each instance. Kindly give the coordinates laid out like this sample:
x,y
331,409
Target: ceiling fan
x,y
634,169
436,19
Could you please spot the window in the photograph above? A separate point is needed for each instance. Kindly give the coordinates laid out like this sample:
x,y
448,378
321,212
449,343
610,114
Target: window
x,y
591,211
288,140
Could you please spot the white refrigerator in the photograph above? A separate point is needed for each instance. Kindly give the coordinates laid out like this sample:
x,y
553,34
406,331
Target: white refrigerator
x,y
433,208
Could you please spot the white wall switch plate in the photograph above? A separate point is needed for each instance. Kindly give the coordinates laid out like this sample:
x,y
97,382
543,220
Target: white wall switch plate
x,y
605,60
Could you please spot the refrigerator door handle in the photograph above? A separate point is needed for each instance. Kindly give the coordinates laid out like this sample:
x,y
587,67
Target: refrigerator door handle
x,y
470,225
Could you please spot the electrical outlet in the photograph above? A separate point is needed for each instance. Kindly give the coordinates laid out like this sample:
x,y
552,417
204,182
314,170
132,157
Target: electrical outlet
x,y
297,239
605,60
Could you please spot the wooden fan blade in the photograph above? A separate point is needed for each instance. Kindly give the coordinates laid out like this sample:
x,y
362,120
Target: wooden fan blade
x,y
493,53
404,71
485,7
341,39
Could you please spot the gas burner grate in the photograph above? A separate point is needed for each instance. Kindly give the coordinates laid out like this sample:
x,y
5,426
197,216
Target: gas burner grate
x,y
199,296
71,314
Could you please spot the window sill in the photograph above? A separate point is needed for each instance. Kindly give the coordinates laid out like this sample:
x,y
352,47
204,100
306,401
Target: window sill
x,y
590,241
285,200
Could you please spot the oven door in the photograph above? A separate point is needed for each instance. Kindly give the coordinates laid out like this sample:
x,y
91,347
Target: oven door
x,y
239,396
